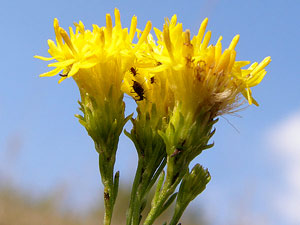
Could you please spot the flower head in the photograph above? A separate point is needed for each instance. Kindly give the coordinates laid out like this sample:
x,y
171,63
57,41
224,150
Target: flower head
x,y
204,82
201,75
98,61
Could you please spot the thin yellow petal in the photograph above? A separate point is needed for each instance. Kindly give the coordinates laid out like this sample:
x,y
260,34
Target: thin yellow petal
x,y
73,70
51,73
234,42
144,34
62,64
201,31
262,65
118,19
66,38
132,27
62,79
206,40
43,58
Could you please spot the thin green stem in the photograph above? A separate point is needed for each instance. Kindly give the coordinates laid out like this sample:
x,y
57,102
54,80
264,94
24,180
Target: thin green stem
x,y
157,206
108,207
133,193
177,214
106,168
136,209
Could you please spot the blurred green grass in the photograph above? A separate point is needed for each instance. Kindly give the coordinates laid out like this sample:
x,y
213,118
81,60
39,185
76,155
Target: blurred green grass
x,y
18,207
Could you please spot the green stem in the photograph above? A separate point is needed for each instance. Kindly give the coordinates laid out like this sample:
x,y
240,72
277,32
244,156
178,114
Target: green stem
x,y
133,193
106,168
136,209
158,205
172,180
177,214
108,208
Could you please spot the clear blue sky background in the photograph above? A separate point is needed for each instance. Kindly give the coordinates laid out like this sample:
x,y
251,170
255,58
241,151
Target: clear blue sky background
x,y
54,148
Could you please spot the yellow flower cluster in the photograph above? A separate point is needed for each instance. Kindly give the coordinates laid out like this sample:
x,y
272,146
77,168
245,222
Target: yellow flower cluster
x,y
180,84
175,69
199,75
97,59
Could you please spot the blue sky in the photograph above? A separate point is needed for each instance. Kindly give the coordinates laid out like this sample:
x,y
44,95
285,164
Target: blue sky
x,y
53,149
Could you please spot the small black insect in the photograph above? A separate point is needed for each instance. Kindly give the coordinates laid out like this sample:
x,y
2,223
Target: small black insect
x,y
152,80
133,71
63,75
139,90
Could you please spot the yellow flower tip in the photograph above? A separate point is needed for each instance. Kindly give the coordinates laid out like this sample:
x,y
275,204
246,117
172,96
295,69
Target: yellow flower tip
x,y
224,60
43,58
234,42
133,27
118,19
61,79
80,26
67,40
255,102
202,30
109,24
249,96
267,60
206,40
55,23
187,36
173,20
56,30
220,39
262,65
144,34
51,73
167,41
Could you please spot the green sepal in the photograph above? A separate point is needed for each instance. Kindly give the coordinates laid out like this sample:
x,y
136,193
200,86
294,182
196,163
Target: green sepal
x,y
158,188
116,185
168,203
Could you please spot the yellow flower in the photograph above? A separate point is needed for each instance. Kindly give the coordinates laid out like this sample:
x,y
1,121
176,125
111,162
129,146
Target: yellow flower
x,y
200,75
97,59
